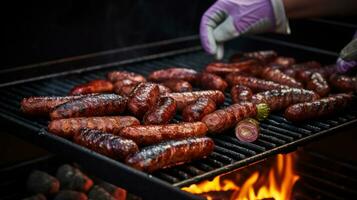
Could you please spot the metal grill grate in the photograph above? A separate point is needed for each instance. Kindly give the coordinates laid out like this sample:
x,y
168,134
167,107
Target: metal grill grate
x,y
277,134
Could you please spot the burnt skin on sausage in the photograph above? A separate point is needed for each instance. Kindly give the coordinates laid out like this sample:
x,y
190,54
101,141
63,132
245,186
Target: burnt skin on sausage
x,y
319,108
277,76
104,143
162,112
97,105
185,74
171,153
241,93
255,84
95,86
186,98
115,76
200,108
152,134
42,106
178,85
68,127
279,99
144,96
212,82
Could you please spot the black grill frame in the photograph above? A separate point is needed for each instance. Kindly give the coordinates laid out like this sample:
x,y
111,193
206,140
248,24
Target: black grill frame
x,y
272,138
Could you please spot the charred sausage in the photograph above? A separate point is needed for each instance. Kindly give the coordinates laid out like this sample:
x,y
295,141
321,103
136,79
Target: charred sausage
x,y
342,83
115,76
310,65
212,82
185,74
277,76
144,96
163,89
161,113
171,153
178,85
42,106
223,119
319,108
284,62
68,127
186,98
125,87
95,86
318,84
255,84
250,67
241,93
97,105
105,143
152,134
200,108
279,99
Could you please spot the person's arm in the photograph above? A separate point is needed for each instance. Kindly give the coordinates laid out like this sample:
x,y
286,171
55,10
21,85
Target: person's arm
x,y
319,8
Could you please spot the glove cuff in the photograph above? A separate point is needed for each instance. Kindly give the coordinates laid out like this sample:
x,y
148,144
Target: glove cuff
x,y
281,20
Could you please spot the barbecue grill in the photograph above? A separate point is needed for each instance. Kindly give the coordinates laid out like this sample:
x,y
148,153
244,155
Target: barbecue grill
x,y
58,77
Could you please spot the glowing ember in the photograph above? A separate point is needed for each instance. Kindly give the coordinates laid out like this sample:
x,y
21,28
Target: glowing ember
x,y
277,183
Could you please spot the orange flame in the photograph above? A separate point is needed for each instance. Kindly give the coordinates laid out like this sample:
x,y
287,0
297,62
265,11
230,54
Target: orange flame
x,y
278,185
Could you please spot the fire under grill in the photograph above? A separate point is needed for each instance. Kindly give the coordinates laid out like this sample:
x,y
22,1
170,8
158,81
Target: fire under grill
x,y
277,134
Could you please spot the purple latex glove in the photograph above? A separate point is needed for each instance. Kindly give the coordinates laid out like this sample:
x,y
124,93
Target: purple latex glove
x,y
227,19
348,56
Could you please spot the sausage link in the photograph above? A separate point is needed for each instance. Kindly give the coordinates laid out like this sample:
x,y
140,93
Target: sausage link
x,y
163,89
144,96
212,82
186,98
98,105
68,127
280,99
343,83
185,74
277,76
152,134
178,85
284,62
200,108
161,113
263,56
42,106
171,153
107,144
318,84
249,66
241,93
223,119
255,84
125,87
115,76
294,69
319,108
95,86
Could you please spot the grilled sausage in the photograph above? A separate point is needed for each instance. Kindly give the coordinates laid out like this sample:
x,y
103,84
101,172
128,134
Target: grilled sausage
x,y
178,85
143,98
42,106
277,76
95,86
241,93
68,127
255,84
263,56
318,84
115,76
310,65
161,113
125,87
163,89
200,108
186,98
223,119
279,99
284,62
250,66
342,83
98,105
212,82
319,108
171,153
185,74
104,143
152,134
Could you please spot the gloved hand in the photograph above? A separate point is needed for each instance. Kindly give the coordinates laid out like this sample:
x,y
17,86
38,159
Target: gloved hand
x,y
348,56
227,19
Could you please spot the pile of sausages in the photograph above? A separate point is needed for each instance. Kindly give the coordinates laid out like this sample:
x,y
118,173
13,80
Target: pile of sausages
x,y
130,117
